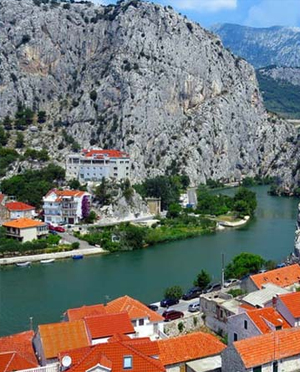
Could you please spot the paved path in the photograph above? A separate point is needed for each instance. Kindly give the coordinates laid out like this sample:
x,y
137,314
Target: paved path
x,y
72,239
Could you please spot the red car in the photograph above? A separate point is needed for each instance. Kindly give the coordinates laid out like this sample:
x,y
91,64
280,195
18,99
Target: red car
x,y
51,227
60,229
172,315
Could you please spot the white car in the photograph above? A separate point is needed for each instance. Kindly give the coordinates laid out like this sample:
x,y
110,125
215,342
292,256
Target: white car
x,y
193,307
230,282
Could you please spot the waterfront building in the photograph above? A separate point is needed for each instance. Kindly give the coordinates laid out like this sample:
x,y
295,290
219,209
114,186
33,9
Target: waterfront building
x,y
288,305
285,277
17,209
275,351
66,206
95,164
25,229
120,353
263,297
254,322
102,327
17,353
193,352
54,338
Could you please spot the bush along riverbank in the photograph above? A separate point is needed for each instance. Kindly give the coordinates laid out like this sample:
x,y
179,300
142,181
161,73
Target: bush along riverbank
x,y
126,236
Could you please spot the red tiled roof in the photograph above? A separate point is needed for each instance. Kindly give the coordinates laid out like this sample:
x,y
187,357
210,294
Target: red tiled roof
x,y
261,318
292,302
57,337
20,343
109,153
12,361
18,206
134,308
259,350
106,325
282,277
23,223
111,355
189,347
81,312
66,193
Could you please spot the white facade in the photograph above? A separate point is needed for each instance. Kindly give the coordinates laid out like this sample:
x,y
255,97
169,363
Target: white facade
x,y
64,206
27,234
13,215
145,328
93,165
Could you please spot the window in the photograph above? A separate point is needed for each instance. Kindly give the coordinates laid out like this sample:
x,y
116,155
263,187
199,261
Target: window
x,y
141,322
127,362
245,324
235,337
257,369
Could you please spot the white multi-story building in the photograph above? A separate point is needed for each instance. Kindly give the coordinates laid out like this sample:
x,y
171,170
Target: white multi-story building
x,y
68,206
93,165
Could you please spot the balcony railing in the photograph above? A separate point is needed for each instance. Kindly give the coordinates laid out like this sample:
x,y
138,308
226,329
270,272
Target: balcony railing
x,y
49,368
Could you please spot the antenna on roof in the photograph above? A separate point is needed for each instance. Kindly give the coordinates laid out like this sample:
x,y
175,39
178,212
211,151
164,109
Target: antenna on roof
x,y
66,362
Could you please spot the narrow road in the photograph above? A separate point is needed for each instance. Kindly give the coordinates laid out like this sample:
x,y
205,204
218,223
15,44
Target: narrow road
x,y
72,239
192,196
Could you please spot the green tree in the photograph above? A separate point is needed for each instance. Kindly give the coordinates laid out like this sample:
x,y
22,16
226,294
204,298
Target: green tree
x,y
174,210
7,123
20,140
91,218
132,237
244,264
242,208
74,184
42,117
175,292
3,136
102,193
202,280
247,196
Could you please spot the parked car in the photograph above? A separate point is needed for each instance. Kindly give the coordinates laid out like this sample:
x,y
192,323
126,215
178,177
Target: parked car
x,y
53,232
168,302
172,315
192,293
212,287
195,306
51,227
59,229
230,282
152,307
280,265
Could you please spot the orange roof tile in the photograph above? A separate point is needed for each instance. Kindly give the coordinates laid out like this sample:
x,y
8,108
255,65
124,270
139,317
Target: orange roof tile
x,y
189,347
111,355
292,302
282,277
23,223
261,318
259,350
58,337
247,307
109,153
12,361
81,312
20,343
18,206
134,308
106,325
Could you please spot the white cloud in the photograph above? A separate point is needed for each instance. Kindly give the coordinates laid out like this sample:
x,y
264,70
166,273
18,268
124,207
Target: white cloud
x,y
203,5
274,12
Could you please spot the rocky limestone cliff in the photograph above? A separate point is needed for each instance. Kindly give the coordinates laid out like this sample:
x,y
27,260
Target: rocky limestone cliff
x,y
287,74
262,47
141,78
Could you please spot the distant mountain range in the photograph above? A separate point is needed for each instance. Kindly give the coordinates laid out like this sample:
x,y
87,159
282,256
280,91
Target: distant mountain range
x,y
262,46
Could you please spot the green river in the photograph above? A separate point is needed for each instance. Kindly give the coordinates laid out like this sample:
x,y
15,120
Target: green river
x,y
46,291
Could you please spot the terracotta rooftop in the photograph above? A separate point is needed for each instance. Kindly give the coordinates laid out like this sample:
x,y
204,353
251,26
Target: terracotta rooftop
x,y
292,302
12,361
65,193
256,351
23,223
81,312
111,355
58,337
20,343
283,277
189,347
134,308
102,153
106,325
267,317
18,206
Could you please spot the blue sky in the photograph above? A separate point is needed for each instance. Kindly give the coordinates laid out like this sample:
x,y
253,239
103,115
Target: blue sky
x,y
255,13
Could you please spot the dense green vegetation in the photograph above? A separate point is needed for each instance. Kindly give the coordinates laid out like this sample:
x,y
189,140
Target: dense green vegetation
x,y
243,203
32,185
280,96
202,280
175,292
130,237
244,264
168,188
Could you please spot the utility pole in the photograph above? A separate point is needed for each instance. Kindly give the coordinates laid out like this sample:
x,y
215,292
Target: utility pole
x,y
31,323
223,270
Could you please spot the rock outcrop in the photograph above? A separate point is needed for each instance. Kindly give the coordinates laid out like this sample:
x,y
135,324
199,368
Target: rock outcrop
x,y
139,77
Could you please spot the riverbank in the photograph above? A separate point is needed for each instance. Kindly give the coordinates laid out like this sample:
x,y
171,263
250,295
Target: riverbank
x,y
238,223
47,256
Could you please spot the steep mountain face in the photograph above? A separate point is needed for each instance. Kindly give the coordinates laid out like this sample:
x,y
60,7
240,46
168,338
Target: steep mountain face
x,y
262,46
141,78
280,87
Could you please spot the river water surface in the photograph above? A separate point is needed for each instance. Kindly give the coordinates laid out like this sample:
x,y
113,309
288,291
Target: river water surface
x,y
46,291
